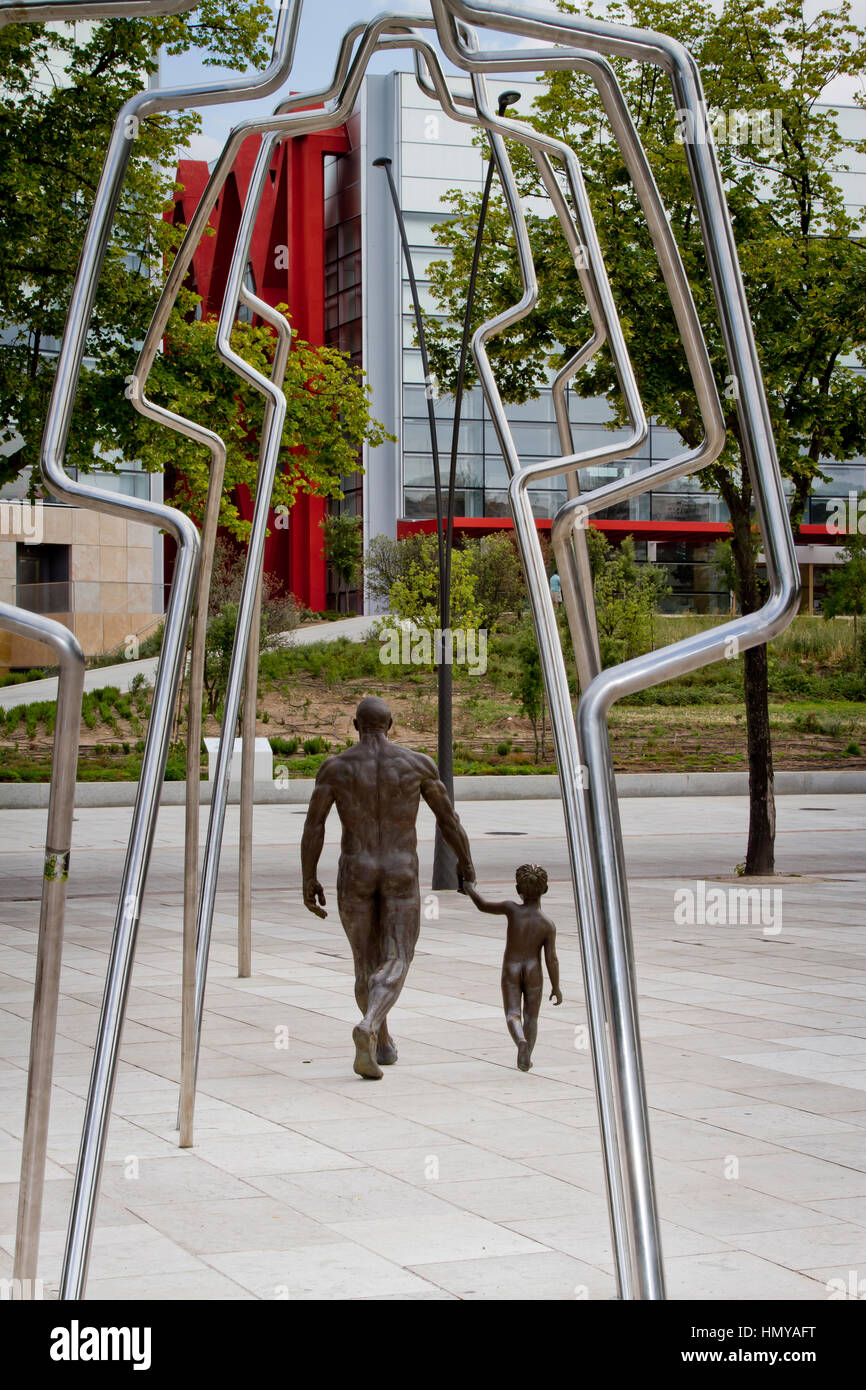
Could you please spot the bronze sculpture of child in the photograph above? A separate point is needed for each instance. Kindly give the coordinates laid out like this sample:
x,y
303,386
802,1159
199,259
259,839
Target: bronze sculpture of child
x,y
529,932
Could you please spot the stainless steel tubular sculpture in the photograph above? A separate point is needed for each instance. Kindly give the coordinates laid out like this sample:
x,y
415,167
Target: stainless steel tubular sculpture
x,y
150,347
591,966
602,820
251,670
177,618
288,124
619,1203
58,840
62,788
583,752
372,40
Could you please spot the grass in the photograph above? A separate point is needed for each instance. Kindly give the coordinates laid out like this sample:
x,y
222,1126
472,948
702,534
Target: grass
x,y
817,708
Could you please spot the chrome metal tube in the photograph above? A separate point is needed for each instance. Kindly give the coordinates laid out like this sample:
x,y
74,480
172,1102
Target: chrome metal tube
x,y
58,841
70,358
604,831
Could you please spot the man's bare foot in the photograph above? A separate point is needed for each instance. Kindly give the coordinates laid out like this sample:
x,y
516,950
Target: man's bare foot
x,y
386,1052
365,1053
523,1062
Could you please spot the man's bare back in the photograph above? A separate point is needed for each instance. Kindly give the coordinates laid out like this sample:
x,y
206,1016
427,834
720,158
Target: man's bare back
x,y
376,787
369,778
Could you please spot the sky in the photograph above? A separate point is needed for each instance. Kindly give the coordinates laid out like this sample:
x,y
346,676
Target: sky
x,y
323,22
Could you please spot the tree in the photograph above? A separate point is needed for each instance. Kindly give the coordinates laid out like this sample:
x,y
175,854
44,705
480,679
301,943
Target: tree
x,y
279,615
327,416
415,595
499,583
386,560
529,689
627,595
344,548
801,251
54,132
52,143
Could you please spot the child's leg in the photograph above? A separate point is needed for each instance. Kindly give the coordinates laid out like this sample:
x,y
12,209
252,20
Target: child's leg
x,y
531,1006
511,999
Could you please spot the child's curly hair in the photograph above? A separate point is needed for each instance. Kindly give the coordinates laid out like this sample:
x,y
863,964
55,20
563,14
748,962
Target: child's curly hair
x,y
531,880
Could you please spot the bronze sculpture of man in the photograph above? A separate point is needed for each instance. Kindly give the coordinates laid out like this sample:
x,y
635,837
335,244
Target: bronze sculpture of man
x,y
376,786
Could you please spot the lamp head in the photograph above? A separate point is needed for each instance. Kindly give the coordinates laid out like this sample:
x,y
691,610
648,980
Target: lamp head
x,y
382,162
507,99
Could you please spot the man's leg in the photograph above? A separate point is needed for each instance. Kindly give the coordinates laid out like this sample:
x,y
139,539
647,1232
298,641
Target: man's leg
x,y
400,924
359,917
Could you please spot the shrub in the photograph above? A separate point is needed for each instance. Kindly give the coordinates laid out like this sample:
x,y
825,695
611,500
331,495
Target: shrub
x,y
316,745
284,746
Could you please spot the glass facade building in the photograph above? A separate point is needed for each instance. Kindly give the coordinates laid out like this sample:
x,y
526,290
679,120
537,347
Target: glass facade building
x,y
430,155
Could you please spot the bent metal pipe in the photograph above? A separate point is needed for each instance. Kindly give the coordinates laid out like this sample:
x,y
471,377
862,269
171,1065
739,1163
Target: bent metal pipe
x,y
63,771
238,262
602,901
560,464
604,837
46,992
97,1110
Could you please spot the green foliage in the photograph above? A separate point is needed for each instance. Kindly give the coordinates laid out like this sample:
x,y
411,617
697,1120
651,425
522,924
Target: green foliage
x,y
529,689
316,745
284,746
415,595
53,138
387,559
499,583
327,417
626,597
334,663
344,546
846,586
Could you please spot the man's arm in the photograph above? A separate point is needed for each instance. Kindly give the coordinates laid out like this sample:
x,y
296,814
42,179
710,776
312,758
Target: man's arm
x,y
437,798
311,843
552,962
481,903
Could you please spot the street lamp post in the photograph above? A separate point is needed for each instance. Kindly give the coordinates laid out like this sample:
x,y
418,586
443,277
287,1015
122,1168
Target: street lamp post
x,y
444,863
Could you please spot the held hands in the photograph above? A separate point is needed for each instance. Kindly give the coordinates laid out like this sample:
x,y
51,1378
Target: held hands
x,y
314,894
556,996
465,874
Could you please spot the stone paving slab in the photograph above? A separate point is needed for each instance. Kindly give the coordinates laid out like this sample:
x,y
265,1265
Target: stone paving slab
x,y
457,1176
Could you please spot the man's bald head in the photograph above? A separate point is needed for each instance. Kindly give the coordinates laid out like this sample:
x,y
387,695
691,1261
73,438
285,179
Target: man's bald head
x,y
373,714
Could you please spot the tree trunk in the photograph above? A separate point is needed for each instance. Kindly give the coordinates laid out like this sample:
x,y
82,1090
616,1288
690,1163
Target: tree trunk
x,y
760,852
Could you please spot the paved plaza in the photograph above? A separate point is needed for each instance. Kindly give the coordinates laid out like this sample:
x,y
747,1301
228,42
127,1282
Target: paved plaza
x,y
456,1176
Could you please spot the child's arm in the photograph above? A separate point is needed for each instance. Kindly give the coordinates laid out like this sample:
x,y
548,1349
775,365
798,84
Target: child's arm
x,y
481,903
552,962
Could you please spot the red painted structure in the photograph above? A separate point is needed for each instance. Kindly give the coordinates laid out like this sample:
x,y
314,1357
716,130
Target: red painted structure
x,y
287,259
696,531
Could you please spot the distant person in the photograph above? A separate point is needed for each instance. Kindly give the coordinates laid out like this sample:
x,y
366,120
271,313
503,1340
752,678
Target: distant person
x,y
556,588
376,786
529,932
